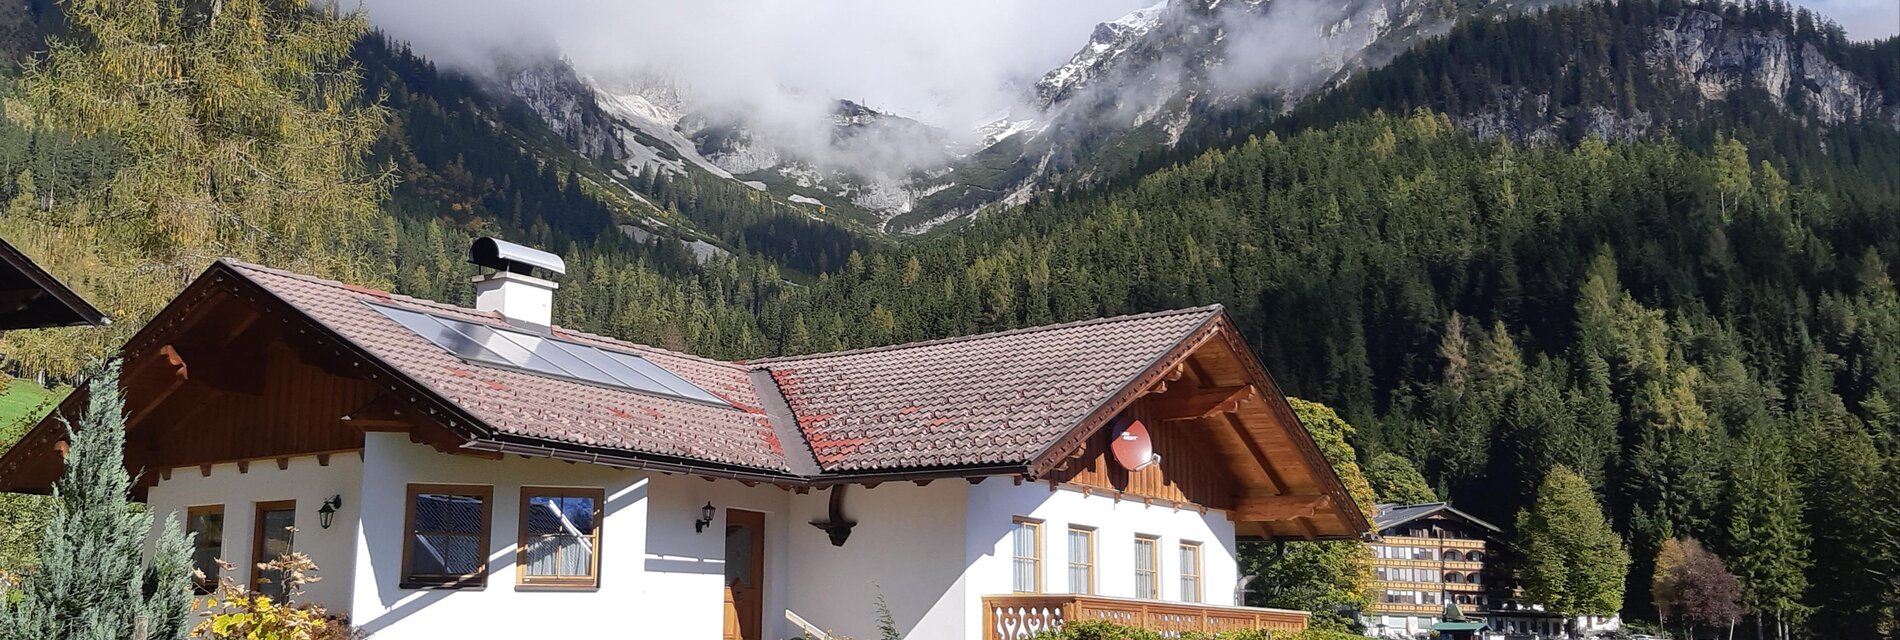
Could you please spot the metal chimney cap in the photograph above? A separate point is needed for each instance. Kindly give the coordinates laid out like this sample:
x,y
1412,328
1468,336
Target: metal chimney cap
x,y
514,258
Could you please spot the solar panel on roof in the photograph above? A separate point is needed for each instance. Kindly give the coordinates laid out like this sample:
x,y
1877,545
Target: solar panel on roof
x,y
544,355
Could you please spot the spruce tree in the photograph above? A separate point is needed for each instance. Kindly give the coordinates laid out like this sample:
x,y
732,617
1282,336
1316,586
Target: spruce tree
x,y
1767,537
92,583
1573,564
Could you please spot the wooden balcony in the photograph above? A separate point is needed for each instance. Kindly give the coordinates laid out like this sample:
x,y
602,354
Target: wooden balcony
x,y
1019,616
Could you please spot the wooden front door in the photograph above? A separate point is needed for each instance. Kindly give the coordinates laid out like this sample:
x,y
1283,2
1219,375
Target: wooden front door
x,y
745,575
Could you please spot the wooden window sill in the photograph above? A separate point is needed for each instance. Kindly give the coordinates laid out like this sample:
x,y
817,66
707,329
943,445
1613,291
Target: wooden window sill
x,y
442,586
544,586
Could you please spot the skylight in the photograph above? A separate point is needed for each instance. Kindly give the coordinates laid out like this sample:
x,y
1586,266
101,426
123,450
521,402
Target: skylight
x,y
544,355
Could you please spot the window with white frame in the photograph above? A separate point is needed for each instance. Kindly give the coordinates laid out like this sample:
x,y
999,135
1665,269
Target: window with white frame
x,y
1190,572
1147,567
1081,560
1026,546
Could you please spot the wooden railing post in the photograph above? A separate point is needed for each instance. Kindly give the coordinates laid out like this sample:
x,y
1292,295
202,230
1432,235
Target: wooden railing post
x,y
989,620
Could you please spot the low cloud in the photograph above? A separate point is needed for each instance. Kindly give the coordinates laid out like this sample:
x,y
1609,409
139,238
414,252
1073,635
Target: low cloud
x,y
950,64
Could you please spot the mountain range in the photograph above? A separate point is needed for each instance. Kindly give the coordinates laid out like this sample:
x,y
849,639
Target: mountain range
x,y
1164,81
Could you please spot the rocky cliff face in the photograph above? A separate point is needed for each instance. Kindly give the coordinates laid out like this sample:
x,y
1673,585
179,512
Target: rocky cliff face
x,y
1718,58
1702,57
566,103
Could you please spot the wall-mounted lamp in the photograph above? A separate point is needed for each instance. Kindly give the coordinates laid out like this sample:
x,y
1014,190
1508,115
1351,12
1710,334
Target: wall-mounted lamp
x,y
327,513
706,514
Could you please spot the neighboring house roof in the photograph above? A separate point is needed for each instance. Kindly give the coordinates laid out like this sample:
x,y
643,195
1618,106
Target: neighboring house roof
x,y
32,298
1017,402
1386,516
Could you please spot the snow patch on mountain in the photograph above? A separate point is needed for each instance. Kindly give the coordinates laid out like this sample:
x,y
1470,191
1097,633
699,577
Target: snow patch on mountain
x,y
1105,45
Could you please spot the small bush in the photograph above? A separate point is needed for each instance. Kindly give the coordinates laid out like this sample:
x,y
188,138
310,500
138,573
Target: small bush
x,y
237,613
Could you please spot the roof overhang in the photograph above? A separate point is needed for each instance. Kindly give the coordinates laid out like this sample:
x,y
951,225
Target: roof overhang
x,y
1214,378
31,298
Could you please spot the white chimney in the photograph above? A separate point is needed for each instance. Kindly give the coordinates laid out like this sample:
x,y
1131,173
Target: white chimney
x,y
512,290
519,298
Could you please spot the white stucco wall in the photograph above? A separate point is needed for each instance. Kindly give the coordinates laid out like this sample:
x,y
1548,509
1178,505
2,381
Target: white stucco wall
x,y
993,506
684,582
932,551
305,481
908,546
500,609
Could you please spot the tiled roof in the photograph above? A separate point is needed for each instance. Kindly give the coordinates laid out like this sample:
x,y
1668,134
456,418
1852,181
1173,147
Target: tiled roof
x,y
530,405
993,399
997,399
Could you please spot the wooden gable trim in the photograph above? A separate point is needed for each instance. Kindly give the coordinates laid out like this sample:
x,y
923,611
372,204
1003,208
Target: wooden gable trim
x,y
1163,366
167,346
19,303
1201,403
1268,500
1347,509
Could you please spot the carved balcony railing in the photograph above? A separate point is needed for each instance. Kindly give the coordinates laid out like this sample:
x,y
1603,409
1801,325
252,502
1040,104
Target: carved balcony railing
x,y
1020,616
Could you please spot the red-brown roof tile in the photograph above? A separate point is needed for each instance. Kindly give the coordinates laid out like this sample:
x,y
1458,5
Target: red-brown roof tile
x,y
543,407
995,399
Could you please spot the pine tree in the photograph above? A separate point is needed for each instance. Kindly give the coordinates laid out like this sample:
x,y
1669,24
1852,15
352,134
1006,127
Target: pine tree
x,y
92,584
1573,564
1769,541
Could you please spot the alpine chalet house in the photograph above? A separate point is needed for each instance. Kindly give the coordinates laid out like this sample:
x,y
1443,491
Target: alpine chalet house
x,y
1429,558
483,473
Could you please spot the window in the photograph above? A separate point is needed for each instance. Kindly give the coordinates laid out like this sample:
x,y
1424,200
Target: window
x,y
1026,544
447,530
1147,567
560,537
1474,556
1190,572
274,529
1081,560
1452,555
206,526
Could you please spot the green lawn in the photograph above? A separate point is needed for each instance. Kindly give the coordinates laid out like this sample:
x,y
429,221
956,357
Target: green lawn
x,y
22,404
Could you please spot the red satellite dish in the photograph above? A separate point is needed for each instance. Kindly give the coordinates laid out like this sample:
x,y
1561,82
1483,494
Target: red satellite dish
x,y
1132,447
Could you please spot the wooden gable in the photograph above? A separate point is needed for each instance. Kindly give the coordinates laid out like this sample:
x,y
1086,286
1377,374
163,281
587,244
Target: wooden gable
x,y
226,375
1227,440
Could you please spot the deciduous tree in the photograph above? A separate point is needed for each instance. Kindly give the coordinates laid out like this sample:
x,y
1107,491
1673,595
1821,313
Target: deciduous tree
x,y
1573,564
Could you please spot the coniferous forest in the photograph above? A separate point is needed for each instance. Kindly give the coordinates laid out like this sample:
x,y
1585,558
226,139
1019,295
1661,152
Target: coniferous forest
x,y
1698,321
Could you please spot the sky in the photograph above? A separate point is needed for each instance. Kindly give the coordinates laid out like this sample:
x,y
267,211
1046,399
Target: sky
x,y
1863,19
951,64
